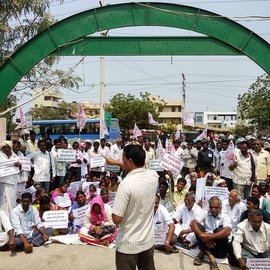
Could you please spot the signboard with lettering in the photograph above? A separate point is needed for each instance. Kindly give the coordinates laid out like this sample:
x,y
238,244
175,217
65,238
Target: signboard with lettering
x,y
171,163
67,155
56,219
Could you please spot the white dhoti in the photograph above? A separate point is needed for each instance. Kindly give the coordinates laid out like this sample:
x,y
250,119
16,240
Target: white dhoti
x,y
8,196
189,237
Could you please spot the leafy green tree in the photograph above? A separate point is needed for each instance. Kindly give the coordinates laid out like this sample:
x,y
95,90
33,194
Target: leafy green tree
x,y
254,106
65,111
130,110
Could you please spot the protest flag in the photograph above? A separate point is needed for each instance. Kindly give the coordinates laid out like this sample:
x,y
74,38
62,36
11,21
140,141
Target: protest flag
x,y
136,131
81,117
151,120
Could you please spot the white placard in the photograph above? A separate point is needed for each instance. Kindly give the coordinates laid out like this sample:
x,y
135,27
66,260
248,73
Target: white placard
x,y
26,163
62,201
160,237
79,214
56,219
154,165
221,192
8,168
97,162
74,187
200,186
31,190
85,185
171,163
258,263
67,155
112,168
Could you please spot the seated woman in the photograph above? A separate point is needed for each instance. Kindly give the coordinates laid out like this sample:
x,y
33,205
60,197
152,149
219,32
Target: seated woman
x,y
98,227
41,192
114,184
62,192
91,193
106,198
79,203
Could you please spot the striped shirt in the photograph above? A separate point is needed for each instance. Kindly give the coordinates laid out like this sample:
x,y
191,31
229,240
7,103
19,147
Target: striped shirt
x,y
134,201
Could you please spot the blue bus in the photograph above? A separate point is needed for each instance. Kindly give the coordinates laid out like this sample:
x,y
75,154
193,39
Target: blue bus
x,y
68,128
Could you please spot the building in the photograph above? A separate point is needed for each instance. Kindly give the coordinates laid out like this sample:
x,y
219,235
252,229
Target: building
x,y
223,120
171,111
49,99
92,110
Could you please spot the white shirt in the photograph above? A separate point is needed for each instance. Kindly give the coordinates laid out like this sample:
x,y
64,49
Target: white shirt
x,y
242,173
149,155
255,242
178,152
235,212
60,166
42,164
162,218
115,151
23,222
134,201
104,151
221,220
92,154
182,214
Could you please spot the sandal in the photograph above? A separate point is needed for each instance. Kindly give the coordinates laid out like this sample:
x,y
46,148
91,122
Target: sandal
x,y
198,259
186,245
214,266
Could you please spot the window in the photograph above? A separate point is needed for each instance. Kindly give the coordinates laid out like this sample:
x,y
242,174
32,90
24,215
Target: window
x,y
173,109
198,119
47,98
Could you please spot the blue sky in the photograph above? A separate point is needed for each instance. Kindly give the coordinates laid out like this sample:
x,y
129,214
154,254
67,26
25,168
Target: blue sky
x,y
213,83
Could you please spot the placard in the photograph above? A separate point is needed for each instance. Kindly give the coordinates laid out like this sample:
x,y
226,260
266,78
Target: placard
x,y
221,192
85,185
258,263
160,237
154,165
7,167
67,155
62,201
112,168
200,186
74,187
31,190
55,219
26,163
171,163
97,162
79,214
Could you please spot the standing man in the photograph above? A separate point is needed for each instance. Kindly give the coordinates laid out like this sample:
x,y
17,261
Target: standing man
x,y
133,211
116,150
189,156
150,154
205,160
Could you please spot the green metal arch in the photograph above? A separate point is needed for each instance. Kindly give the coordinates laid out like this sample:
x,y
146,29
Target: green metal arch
x,y
88,22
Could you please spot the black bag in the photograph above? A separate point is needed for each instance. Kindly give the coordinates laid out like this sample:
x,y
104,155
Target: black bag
x,y
110,229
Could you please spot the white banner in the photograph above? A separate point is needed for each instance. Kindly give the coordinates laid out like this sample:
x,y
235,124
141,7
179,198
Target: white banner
x,y
258,263
171,163
8,168
56,219
97,162
154,165
74,187
85,185
160,237
79,214
67,155
26,163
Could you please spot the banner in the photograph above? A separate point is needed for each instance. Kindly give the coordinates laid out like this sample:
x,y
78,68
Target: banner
x,y
56,219
151,120
81,117
103,127
97,162
66,155
188,119
26,163
171,163
230,154
23,120
7,167
160,150
203,135
136,131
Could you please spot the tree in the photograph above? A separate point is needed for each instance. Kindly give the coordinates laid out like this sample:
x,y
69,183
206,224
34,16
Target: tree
x,y
65,111
254,105
130,110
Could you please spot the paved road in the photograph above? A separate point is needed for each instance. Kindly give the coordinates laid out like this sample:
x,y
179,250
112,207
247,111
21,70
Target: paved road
x,y
62,257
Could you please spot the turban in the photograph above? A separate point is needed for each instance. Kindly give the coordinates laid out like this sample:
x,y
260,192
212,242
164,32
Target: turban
x,y
4,143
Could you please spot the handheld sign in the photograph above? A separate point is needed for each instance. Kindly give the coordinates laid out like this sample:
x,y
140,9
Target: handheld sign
x,y
62,201
97,162
31,190
171,163
74,187
67,155
8,168
26,163
200,186
79,214
258,263
112,168
160,237
154,165
56,219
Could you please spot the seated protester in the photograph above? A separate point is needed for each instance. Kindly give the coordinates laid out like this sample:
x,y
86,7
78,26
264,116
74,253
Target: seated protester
x,y
98,227
180,192
163,221
265,189
7,240
253,204
165,196
191,179
257,191
114,184
106,198
91,193
183,216
47,205
27,225
79,202
192,189
41,192
251,239
107,180
62,191
234,207
212,234
102,185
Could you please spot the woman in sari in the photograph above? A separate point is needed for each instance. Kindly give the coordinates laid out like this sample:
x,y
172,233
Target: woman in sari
x,y
98,226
